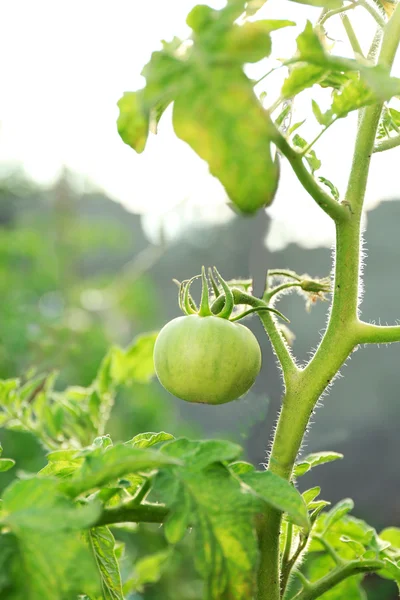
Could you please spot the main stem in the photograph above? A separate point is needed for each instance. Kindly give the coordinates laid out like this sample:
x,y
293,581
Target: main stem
x,y
305,387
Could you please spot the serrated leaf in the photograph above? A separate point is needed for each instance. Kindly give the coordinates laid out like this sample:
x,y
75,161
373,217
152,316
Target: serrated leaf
x,y
225,544
280,494
200,454
136,109
302,77
103,467
309,46
311,158
146,440
37,504
220,117
133,121
6,464
333,189
313,460
102,543
136,362
241,467
49,560
249,42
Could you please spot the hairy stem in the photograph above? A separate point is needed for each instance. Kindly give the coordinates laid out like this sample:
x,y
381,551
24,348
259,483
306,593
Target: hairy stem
x,y
341,336
335,210
387,144
315,590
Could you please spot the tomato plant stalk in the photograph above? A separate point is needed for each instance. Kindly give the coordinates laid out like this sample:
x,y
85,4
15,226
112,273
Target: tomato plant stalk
x,y
344,331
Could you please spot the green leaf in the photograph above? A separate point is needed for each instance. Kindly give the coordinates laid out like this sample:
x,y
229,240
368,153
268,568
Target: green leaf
x,y
392,535
6,464
133,121
311,494
37,504
148,569
200,454
249,42
145,440
49,560
225,545
310,47
302,77
333,189
280,494
313,460
241,467
136,362
102,543
137,109
338,512
102,467
219,116
310,156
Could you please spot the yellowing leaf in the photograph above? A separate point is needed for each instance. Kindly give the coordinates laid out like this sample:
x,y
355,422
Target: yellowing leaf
x,y
222,120
133,122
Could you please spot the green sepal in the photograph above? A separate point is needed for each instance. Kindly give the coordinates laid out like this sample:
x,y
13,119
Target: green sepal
x,y
214,284
189,305
259,309
205,310
227,309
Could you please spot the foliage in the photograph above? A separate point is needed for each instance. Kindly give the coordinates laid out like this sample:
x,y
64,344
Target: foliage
x,y
249,533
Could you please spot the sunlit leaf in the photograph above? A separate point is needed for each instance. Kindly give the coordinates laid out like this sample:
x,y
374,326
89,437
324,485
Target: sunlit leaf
x,y
313,460
222,120
145,440
136,362
102,468
200,454
302,77
133,121
49,560
225,545
280,494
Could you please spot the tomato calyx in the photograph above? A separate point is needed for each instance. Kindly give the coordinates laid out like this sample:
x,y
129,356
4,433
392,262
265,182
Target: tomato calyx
x,y
221,291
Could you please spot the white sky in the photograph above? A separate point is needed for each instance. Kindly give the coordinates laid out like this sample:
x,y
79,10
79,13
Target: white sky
x,y
65,63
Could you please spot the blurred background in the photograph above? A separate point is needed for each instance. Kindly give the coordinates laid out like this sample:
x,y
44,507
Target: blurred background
x,y
92,235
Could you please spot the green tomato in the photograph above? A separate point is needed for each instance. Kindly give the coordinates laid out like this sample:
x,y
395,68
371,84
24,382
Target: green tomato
x,y
206,359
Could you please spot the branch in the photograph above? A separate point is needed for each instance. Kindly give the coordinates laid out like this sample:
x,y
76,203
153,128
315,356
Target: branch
x,y
375,14
351,34
378,334
336,211
131,513
331,13
336,576
388,144
281,288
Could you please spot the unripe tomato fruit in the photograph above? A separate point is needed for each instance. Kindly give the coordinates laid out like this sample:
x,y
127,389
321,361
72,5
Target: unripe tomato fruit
x,y
206,359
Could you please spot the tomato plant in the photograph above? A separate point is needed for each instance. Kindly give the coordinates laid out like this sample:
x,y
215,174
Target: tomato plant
x,y
253,534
